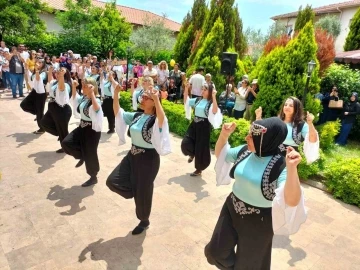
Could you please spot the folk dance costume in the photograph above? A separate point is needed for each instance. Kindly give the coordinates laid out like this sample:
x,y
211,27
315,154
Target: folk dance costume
x,y
136,97
256,208
83,141
196,143
296,136
107,94
56,119
134,177
34,103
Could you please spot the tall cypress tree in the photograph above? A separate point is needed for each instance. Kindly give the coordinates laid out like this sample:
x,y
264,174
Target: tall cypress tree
x,y
239,41
352,41
304,16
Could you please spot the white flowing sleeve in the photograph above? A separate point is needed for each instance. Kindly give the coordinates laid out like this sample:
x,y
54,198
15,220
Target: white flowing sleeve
x,y
120,126
112,91
222,167
187,109
96,118
134,100
287,220
160,139
75,104
215,119
311,150
62,97
102,85
39,86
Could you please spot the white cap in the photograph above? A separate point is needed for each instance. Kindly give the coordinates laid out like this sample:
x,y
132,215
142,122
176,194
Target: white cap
x,y
6,50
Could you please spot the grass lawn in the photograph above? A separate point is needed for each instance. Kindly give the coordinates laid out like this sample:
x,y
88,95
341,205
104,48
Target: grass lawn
x,y
351,150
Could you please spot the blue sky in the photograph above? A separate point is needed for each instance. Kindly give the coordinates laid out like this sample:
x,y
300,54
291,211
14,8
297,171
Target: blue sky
x,y
254,13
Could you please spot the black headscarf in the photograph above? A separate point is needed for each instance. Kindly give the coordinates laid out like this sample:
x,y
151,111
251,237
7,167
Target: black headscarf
x,y
267,135
356,97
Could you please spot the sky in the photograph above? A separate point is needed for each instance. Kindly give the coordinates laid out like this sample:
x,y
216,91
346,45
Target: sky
x,y
254,13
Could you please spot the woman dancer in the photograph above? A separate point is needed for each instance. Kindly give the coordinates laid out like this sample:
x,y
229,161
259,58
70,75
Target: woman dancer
x,y
34,103
107,84
196,143
299,131
136,93
149,132
83,141
265,185
56,119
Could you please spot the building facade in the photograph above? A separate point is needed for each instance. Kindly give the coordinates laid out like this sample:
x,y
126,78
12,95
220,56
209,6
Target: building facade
x,y
345,11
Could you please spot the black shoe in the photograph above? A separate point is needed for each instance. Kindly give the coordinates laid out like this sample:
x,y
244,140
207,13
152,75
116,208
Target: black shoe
x,y
40,131
111,131
60,151
14,97
191,158
143,225
196,173
22,96
90,182
81,162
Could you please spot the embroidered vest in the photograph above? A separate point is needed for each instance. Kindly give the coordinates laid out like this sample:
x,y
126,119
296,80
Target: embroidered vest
x,y
147,127
87,106
296,133
55,84
270,176
207,107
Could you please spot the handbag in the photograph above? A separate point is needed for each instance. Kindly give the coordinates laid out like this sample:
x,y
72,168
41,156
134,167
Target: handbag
x,y
336,104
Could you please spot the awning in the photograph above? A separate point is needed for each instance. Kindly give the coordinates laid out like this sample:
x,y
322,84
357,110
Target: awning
x,y
350,57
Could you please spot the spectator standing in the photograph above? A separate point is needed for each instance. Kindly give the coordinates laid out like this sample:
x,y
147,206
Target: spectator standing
x,y
5,68
16,68
240,102
197,81
251,96
150,71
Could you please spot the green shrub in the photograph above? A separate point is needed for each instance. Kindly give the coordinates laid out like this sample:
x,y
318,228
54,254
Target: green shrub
x,y
343,180
306,171
327,133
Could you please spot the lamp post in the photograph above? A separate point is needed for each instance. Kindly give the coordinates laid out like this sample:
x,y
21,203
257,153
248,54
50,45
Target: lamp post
x,y
127,66
311,66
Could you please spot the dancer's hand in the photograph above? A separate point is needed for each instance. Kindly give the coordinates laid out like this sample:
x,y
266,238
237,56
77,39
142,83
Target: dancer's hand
x,y
309,118
258,113
228,128
214,93
293,158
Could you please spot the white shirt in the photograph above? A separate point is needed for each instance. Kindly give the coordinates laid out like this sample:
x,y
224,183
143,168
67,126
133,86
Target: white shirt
x,y
56,65
25,55
240,101
119,71
197,81
163,75
151,73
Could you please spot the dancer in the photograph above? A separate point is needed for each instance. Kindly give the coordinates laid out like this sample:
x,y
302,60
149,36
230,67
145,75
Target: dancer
x,y
56,119
299,131
83,141
136,93
107,85
266,196
34,103
196,143
149,131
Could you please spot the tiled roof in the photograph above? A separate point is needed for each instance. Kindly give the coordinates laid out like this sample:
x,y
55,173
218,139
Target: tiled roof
x,y
131,15
333,8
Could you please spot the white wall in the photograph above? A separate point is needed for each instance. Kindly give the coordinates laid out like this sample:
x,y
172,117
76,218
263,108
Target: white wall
x,y
50,22
345,18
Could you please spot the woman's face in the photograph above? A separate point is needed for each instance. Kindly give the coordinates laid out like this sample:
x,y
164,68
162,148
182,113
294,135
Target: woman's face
x,y
147,102
88,63
250,143
53,59
39,65
176,67
86,88
205,92
288,107
94,70
352,98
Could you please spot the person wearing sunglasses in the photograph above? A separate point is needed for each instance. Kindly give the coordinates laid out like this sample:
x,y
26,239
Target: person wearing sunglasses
x,y
82,143
56,119
196,143
149,132
136,93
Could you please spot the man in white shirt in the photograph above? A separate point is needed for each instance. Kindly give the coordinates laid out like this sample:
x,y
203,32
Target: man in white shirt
x,y
23,53
196,83
150,71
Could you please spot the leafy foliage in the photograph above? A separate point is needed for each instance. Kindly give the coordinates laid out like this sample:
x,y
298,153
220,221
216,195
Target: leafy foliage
x,y
327,133
152,37
304,16
239,41
331,24
352,41
343,180
273,42
255,39
182,47
277,29
326,49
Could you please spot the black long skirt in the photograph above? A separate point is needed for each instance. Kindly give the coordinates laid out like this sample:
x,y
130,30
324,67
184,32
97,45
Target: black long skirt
x,y
56,120
34,103
82,143
246,227
134,178
196,143
108,110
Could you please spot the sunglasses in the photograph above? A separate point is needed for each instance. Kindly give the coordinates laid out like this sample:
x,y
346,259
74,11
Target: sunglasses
x,y
146,97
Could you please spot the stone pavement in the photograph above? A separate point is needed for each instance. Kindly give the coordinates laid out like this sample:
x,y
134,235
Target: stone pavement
x,y
47,221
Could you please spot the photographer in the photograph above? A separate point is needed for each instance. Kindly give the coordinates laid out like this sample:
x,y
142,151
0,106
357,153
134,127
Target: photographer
x,y
227,100
329,114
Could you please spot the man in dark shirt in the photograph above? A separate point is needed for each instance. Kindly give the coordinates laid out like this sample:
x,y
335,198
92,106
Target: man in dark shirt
x,y
250,98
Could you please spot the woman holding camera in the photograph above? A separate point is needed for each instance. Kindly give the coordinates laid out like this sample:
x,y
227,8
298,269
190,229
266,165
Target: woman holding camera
x,y
196,143
56,119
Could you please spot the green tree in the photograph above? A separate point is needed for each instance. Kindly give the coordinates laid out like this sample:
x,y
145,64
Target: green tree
x,y
109,28
77,16
352,41
198,13
304,16
277,29
239,40
255,40
182,47
282,73
21,18
330,24
152,38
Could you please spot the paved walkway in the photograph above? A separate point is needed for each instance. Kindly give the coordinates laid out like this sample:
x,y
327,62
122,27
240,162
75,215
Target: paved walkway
x,y
47,221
